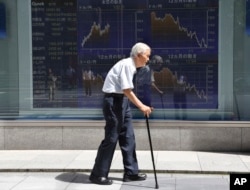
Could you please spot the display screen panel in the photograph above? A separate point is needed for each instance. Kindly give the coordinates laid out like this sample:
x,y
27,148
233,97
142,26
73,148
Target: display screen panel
x,y
248,17
75,43
3,32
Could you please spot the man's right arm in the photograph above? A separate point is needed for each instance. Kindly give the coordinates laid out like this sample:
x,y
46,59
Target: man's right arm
x,y
132,97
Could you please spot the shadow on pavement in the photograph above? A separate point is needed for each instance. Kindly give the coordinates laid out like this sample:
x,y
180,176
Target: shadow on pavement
x,y
73,177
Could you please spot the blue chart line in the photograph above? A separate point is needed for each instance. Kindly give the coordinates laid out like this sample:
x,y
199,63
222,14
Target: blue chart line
x,y
170,30
98,30
97,36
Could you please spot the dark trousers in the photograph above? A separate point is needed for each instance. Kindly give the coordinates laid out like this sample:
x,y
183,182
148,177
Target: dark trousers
x,y
118,128
88,90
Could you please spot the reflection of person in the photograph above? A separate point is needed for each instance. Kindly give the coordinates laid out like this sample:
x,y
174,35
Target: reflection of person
x,y
51,84
118,87
180,101
145,80
71,75
88,77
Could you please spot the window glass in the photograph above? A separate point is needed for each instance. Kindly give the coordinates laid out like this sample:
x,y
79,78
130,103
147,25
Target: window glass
x,y
56,54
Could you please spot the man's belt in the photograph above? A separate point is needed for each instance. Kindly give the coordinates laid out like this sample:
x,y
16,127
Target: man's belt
x,y
114,95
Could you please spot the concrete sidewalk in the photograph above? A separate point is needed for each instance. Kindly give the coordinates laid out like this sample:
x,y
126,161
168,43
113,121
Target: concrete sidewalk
x,y
165,161
70,169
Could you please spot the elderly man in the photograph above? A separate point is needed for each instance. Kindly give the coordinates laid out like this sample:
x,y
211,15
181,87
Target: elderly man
x,y
118,92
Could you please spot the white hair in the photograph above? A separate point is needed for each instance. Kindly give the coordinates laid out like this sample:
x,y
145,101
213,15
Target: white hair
x,y
139,48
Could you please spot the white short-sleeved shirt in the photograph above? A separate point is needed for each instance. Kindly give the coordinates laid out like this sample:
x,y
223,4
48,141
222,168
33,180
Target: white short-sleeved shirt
x,y
120,76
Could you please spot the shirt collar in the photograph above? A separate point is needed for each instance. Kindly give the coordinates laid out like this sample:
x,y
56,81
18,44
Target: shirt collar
x,y
133,63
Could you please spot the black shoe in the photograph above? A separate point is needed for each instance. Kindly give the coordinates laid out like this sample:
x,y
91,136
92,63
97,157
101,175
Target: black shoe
x,y
100,180
136,177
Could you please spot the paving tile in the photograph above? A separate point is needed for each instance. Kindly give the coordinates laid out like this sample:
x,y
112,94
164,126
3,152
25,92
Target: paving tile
x,y
221,162
41,181
79,180
10,180
178,161
204,183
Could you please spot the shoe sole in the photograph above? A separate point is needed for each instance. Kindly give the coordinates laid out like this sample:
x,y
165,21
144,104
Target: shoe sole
x,y
95,181
129,180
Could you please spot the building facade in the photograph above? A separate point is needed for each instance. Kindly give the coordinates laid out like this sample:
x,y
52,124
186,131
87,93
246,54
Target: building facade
x,y
55,55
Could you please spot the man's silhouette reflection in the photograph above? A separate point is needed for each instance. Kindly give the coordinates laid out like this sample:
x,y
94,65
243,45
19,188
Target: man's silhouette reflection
x,y
179,96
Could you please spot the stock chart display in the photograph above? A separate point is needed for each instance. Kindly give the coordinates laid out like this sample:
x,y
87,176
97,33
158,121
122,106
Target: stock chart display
x,y
248,17
183,32
3,32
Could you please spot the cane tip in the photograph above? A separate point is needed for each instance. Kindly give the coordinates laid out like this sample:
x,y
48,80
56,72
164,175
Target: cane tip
x,y
157,186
